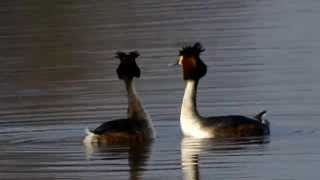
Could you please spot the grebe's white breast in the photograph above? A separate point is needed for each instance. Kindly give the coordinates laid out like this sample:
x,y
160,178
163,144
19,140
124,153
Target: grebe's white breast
x,y
192,128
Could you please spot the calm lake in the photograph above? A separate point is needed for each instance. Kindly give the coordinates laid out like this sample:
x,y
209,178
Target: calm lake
x,y
57,78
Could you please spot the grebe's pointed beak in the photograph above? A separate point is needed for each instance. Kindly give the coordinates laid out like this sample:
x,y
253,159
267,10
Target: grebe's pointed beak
x,y
178,62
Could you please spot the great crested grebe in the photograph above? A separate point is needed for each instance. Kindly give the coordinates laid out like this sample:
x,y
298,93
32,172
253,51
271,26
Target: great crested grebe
x,y
194,125
137,127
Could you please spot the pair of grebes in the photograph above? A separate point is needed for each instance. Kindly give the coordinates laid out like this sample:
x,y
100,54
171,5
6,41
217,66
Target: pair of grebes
x,y
138,127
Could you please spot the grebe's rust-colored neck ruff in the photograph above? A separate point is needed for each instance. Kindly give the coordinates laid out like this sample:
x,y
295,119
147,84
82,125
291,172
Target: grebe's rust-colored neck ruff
x,y
192,124
128,68
192,66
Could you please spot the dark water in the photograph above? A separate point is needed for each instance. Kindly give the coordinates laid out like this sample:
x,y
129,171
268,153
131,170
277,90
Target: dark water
x,y
57,77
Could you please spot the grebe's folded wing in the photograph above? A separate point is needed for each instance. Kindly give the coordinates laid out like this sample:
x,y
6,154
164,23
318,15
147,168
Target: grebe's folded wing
x,y
228,121
235,126
120,125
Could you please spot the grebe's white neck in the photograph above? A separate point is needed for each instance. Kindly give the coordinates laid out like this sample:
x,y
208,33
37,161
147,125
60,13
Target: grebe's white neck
x,y
135,108
190,120
189,102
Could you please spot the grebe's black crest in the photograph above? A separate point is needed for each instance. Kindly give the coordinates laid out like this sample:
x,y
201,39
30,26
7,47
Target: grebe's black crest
x,y
128,68
196,49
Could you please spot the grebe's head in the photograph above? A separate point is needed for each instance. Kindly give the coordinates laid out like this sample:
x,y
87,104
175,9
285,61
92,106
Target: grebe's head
x,y
128,68
193,67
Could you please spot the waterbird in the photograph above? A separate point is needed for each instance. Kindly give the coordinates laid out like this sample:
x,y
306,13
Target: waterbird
x,y
137,127
192,123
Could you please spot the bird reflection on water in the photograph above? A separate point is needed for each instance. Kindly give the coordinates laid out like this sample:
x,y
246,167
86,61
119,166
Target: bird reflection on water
x,y
136,153
192,149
